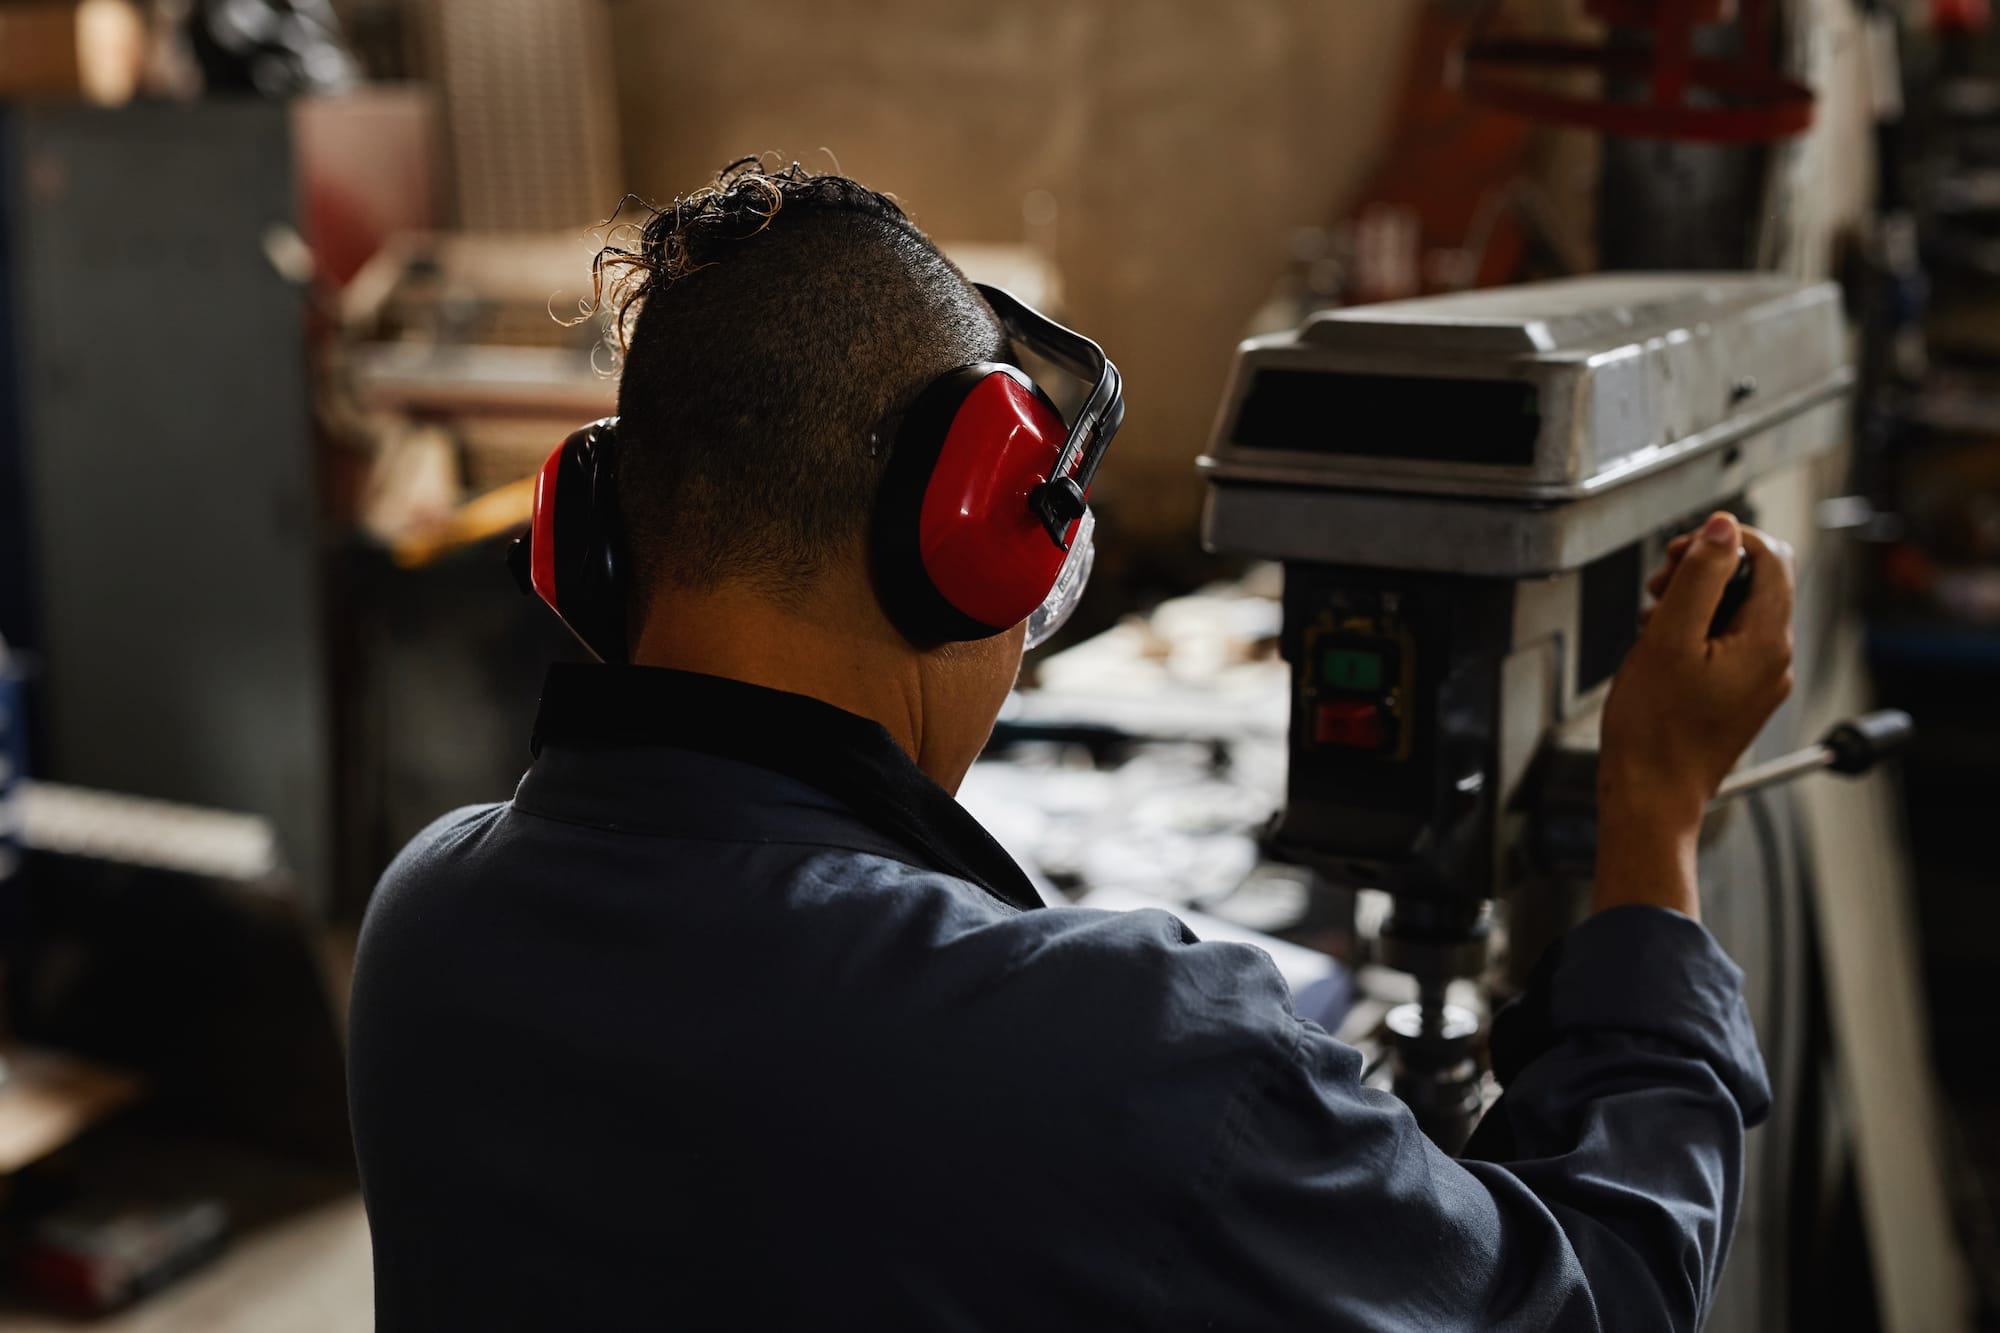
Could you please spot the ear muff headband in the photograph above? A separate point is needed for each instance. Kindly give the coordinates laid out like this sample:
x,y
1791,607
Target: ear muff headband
x,y
1060,500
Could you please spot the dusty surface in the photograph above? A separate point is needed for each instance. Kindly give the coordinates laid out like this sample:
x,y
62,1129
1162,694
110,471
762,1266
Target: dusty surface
x,y
308,1274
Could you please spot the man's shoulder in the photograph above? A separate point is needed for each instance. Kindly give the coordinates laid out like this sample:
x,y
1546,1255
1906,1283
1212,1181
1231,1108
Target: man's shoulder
x,y
451,826
1147,973
1114,1046
431,853
1137,984
440,840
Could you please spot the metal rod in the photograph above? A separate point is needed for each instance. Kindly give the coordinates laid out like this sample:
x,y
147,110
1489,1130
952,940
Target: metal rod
x,y
1774,771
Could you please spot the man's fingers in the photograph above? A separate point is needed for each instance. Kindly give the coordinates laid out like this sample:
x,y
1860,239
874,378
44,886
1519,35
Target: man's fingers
x,y
1691,596
1767,612
1657,584
1662,576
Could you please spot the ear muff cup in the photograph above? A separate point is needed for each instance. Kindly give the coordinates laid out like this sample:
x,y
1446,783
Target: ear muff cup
x,y
957,553
576,547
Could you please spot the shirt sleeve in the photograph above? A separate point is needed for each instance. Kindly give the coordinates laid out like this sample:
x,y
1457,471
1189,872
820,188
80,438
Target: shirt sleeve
x,y
1598,1193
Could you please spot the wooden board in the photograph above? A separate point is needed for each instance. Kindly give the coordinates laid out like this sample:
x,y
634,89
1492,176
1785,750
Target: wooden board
x,y
49,1098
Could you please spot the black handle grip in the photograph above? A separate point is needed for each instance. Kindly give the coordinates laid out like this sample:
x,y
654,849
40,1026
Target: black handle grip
x,y
1733,595
1859,743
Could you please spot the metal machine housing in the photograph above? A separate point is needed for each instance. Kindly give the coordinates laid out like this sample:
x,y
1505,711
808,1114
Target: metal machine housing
x,y
1467,493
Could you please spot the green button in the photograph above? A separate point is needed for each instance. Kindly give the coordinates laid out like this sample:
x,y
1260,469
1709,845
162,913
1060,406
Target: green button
x,y
1346,669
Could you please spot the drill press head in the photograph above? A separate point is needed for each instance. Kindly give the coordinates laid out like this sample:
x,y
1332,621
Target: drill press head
x,y
1467,492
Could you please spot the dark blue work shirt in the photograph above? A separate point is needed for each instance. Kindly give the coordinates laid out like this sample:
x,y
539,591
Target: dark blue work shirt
x,y
733,1019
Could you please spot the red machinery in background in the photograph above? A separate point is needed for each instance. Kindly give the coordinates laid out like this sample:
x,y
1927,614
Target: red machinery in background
x,y
1743,98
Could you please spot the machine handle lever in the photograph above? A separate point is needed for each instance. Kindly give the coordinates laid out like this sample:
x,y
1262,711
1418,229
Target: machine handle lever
x,y
1852,747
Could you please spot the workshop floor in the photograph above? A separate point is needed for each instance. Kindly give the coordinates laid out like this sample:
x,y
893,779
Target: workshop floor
x,y
308,1274
302,1268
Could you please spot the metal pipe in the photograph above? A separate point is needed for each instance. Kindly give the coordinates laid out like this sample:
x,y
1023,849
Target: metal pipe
x,y
1772,772
1855,746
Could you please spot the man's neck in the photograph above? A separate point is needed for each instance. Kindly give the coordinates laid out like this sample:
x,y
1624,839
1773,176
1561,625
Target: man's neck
x,y
856,663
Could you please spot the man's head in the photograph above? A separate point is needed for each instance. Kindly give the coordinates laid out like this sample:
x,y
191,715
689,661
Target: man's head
x,y
770,324
773,323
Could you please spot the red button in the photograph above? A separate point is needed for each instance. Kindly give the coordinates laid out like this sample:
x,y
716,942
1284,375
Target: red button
x,y
1349,722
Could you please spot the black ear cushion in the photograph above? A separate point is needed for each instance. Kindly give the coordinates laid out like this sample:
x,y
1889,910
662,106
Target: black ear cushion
x,y
589,551
913,603
605,569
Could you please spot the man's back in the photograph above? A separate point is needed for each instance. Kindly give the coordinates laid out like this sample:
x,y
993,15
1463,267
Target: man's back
x,y
782,1079
680,1036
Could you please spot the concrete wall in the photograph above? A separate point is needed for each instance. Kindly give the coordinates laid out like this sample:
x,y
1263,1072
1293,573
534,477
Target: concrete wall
x,y
1182,140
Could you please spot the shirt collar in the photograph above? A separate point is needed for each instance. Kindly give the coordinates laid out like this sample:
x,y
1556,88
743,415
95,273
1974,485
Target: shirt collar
x,y
853,760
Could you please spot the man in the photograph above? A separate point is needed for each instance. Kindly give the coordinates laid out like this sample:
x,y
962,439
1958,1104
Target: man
x,y
733,1017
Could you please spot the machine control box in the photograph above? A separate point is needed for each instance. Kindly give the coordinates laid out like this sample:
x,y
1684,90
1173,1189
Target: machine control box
x,y
1395,694
1354,686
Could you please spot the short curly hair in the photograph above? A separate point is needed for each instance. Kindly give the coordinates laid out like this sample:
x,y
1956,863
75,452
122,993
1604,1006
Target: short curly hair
x,y
768,323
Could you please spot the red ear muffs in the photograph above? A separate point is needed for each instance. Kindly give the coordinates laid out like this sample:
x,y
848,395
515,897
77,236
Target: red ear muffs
x,y
982,498
573,555
957,549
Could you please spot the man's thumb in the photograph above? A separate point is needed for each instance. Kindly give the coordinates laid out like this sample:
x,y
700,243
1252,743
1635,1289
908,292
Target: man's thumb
x,y
1689,603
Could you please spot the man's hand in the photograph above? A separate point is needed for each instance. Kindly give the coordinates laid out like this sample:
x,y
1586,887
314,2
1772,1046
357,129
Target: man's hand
x,y
1683,709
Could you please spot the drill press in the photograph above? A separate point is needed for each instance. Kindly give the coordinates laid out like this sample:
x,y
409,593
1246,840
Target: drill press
x,y
1467,493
